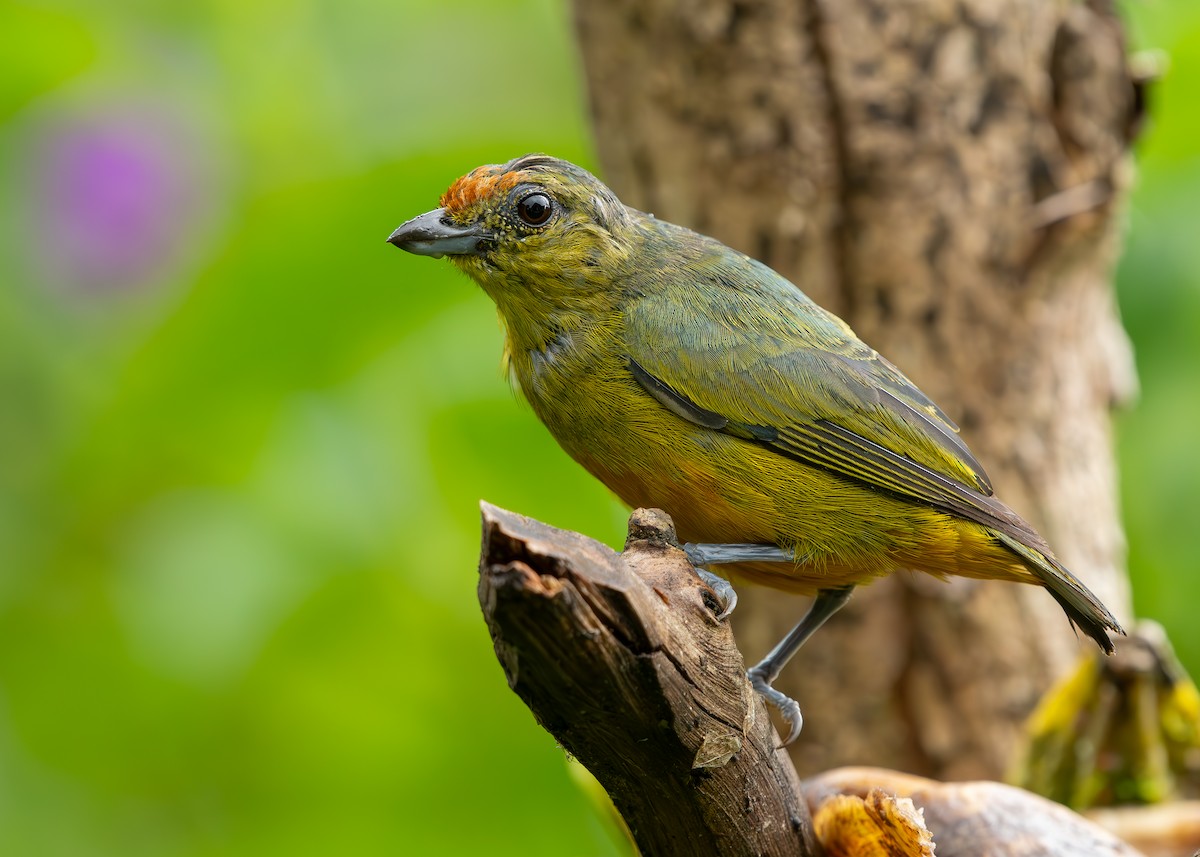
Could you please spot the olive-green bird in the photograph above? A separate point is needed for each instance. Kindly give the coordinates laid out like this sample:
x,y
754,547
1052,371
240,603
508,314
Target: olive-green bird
x,y
687,376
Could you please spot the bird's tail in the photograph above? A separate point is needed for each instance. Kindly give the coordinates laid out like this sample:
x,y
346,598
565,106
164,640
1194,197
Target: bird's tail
x,y
1082,607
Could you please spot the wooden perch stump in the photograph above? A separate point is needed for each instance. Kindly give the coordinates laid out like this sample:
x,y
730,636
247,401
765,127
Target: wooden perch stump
x,y
622,659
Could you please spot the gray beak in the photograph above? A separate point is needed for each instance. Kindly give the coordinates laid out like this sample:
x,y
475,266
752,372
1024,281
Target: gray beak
x,y
431,235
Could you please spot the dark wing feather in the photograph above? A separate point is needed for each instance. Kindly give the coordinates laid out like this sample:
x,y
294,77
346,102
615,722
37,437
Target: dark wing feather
x,y
898,395
843,453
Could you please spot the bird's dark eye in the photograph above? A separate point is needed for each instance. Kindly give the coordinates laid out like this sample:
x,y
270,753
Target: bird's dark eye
x,y
534,209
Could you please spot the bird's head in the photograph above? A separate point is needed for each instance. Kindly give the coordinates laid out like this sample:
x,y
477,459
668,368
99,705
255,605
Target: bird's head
x,y
539,234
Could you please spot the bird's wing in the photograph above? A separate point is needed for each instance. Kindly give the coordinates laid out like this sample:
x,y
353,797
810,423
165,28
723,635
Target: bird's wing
x,y
744,352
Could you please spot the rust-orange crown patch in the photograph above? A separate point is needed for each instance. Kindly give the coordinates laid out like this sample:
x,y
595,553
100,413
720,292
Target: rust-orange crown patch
x,y
478,184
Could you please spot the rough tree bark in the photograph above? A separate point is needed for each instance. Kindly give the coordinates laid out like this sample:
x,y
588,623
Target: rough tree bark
x,y
946,175
620,657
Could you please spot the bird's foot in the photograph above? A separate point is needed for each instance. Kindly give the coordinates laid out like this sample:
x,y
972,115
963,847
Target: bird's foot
x,y
788,707
702,555
827,602
722,588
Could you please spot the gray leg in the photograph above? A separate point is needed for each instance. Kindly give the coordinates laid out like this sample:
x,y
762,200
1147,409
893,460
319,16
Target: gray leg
x,y
827,602
701,554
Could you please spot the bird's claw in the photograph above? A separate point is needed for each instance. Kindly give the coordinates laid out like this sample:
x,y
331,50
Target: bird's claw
x,y
788,707
722,588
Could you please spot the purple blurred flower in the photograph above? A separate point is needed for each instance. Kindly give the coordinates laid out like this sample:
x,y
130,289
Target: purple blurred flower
x,y
116,196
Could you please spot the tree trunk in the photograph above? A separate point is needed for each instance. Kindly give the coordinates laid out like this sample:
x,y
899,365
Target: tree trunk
x,y
947,177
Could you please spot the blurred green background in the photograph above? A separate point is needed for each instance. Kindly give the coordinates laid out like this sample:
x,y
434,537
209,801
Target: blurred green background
x,y
242,440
